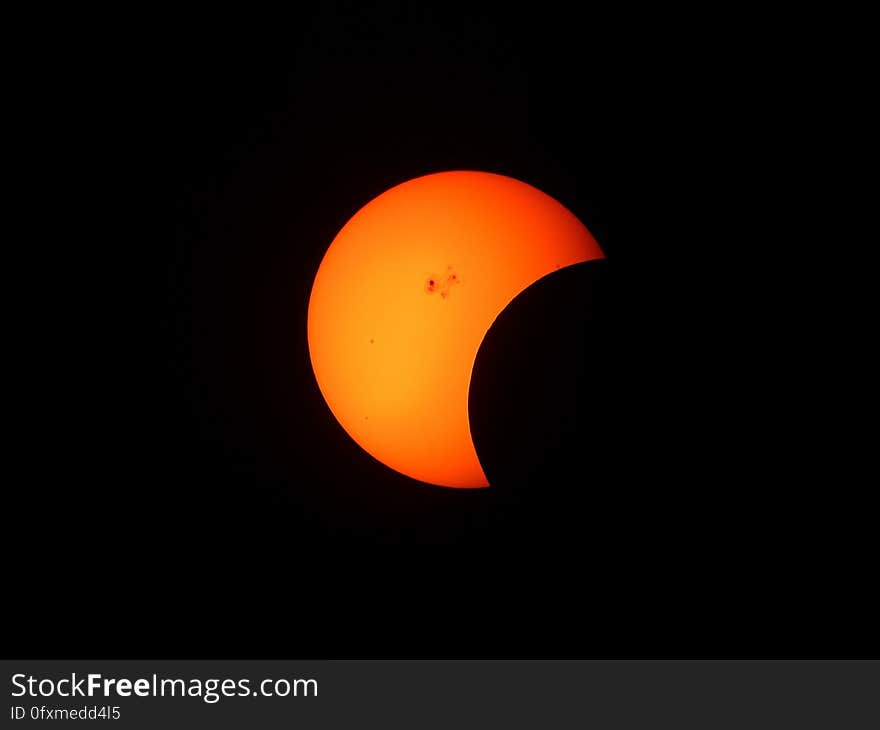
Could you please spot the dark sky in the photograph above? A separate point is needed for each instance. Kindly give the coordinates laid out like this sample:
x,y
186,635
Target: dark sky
x,y
188,492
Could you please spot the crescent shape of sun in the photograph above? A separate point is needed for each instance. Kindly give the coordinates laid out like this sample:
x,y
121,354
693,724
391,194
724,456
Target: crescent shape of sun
x,y
403,298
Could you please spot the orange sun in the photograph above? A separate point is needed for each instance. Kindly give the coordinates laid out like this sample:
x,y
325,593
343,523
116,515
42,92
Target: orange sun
x,y
403,298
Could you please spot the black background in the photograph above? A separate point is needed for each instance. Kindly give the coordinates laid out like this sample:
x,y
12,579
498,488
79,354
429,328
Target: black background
x,y
664,482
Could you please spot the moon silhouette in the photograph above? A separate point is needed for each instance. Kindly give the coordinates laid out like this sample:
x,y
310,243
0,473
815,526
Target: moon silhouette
x,y
404,297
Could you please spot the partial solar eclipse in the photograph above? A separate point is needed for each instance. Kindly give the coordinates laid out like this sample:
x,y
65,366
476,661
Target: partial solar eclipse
x,y
403,298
